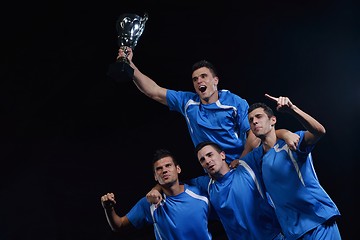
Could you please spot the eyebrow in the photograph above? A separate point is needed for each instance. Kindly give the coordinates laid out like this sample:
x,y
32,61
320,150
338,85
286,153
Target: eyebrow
x,y
202,74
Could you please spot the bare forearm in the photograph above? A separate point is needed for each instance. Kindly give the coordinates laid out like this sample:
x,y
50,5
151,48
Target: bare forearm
x,y
314,129
282,133
148,86
310,123
143,82
251,142
291,139
115,221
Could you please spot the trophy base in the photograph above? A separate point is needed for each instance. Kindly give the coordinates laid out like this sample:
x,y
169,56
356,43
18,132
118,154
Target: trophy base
x,y
120,71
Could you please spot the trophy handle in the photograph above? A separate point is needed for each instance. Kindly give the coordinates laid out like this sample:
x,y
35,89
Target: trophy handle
x,y
144,19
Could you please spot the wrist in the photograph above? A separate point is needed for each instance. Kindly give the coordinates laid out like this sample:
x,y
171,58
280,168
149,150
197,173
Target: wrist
x,y
108,209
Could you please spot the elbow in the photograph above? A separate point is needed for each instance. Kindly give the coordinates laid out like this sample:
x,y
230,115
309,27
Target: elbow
x,y
321,131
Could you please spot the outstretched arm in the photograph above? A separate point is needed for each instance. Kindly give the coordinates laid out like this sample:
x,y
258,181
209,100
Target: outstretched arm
x,y
314,129
115,221
145,84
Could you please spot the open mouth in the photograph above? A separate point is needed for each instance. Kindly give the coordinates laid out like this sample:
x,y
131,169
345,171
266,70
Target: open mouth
x,y
202,88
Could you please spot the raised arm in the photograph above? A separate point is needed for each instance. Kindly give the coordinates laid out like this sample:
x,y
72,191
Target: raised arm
x,y
145,84
314,129
115,221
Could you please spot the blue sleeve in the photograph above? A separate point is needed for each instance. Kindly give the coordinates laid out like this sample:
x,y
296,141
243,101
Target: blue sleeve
x,y
201,182
200,185
243,108
140,214
176,100
303,149
254,159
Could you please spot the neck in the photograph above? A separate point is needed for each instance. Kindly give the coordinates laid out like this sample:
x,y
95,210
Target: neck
x,y
213,97
268,141
174,189
224,170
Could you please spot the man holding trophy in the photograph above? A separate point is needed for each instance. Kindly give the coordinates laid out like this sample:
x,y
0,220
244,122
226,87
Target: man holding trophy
x,y
233,136
211,114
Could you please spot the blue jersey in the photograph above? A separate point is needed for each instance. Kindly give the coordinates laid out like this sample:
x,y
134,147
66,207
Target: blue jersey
x,y
301,204
241,205
182,217
223,122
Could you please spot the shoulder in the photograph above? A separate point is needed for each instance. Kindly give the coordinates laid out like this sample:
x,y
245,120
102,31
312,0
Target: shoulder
x,y
142,203
200,183
226,95
187,94
195,193
192,188
254,154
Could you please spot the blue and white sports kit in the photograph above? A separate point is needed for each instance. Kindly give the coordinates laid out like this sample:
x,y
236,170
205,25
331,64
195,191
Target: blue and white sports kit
x,y
241,205
223,122
300,202
180,217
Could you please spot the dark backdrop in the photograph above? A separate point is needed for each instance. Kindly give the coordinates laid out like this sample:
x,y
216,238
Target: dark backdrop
x,y
70,134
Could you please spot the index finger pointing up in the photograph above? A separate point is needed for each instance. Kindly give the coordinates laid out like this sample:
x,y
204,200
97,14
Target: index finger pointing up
x,y
271,97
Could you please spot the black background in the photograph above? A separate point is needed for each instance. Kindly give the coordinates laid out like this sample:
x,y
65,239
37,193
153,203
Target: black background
x,y
70,134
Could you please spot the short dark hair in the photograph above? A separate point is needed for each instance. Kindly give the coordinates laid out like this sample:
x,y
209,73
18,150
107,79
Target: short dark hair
x,y
207,64
206,143
269,112
161,153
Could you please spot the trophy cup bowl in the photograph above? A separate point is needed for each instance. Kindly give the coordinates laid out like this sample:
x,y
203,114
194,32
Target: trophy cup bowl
x,y
129,28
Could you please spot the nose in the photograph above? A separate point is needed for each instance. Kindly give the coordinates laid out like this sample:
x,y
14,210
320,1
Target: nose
x,y
197,81
254,121
207,160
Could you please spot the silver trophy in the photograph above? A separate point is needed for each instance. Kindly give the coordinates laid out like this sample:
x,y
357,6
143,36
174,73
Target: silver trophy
x,y
129,28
